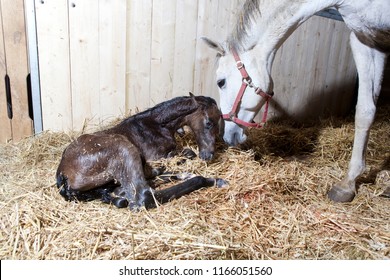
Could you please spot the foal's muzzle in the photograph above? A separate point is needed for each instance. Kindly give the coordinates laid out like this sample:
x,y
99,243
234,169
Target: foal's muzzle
x,y
206,155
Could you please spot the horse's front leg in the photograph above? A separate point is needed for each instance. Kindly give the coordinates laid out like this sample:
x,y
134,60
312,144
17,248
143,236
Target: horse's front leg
x,y
370,64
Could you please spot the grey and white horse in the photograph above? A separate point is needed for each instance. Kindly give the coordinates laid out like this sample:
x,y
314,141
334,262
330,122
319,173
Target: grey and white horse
x,y
262,27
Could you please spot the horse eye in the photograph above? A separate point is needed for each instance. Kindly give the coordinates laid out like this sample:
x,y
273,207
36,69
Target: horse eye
x,y
221,83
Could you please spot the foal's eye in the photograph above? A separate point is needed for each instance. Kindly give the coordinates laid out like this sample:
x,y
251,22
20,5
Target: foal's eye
x,y
221,83
209,125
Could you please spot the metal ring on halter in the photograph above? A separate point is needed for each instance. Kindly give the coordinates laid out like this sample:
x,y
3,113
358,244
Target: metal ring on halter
x,y
240,64
232,115
248,81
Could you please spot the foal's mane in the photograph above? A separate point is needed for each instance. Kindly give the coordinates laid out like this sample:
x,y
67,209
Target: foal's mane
x,y
170,110
248,13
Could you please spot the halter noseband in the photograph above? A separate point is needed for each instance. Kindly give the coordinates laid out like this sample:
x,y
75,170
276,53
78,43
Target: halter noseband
x,y
246,81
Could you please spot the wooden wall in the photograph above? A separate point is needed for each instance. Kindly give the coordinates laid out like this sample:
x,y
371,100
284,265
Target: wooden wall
x,y
82,60
314,72
100,59
15,121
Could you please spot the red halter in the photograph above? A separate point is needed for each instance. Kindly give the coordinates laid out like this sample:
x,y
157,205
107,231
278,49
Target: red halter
x,y
246,81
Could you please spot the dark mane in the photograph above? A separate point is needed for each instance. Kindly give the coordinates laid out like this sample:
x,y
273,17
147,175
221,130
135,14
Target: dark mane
x,y
249,11
172,109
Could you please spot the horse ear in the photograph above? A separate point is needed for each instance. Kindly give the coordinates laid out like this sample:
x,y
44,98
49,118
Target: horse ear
x,y
191,94
214,45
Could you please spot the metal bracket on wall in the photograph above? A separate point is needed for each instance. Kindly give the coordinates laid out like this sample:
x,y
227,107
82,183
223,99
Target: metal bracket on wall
x,y
330,13
8,96
34,65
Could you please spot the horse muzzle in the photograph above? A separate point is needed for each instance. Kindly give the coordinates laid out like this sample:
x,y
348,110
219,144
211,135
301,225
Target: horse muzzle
x,y
234,134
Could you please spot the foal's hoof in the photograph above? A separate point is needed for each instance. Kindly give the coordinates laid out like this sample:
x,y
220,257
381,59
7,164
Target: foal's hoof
x,y
120,202
386,193
158,171
221,183
340,194
188,153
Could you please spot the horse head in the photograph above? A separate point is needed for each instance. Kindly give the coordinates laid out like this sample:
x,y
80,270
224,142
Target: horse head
x,y
240,112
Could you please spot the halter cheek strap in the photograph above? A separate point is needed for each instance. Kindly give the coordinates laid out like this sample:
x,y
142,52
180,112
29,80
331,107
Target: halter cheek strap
x,y
246,81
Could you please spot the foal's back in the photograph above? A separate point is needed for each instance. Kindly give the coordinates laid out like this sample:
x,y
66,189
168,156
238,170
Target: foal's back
x,y
153,131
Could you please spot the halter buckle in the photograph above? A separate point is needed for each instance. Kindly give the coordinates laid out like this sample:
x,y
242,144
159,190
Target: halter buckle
x,y
264,94
240,64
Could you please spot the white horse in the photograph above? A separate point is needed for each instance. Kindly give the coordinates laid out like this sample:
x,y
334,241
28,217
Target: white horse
x,y
262,27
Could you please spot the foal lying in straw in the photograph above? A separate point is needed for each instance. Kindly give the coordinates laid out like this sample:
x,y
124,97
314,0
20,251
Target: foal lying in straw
x,y
112,164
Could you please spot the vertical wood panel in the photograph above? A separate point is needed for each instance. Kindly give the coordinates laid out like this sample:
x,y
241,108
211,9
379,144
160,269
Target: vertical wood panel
x,y
162,51
17,67
5,122
54,64
215,20
84,61
112,53
184,47
139,37
314,73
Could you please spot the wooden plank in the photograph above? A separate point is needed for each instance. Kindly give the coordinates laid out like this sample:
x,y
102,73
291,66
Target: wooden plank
x,y
112,56
17,68
204,76
162,50
313,71
185,47
215,21
5,122
54,64
85,63
343,71
139,37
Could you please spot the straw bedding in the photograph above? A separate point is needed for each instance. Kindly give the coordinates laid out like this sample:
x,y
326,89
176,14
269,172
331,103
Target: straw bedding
x,y
275,206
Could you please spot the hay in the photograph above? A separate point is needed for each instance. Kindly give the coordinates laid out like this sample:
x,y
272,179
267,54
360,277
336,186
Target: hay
x,y
274,208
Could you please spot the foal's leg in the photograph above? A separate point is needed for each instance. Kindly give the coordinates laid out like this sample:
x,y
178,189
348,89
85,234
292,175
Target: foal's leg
x,y
152,172
370,64
129,172
186,187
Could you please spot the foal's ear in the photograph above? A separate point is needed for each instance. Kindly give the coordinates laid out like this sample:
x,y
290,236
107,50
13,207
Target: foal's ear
x,y
214,45
191,95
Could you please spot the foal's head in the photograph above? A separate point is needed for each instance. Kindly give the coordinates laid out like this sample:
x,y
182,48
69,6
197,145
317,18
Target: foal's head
x,y
204,122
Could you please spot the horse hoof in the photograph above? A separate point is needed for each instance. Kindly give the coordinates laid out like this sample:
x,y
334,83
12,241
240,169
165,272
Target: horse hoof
x,y
339,194
221,183
382,181
120,202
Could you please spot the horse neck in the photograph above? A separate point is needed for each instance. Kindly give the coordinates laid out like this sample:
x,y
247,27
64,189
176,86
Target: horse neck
x,y
273,22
